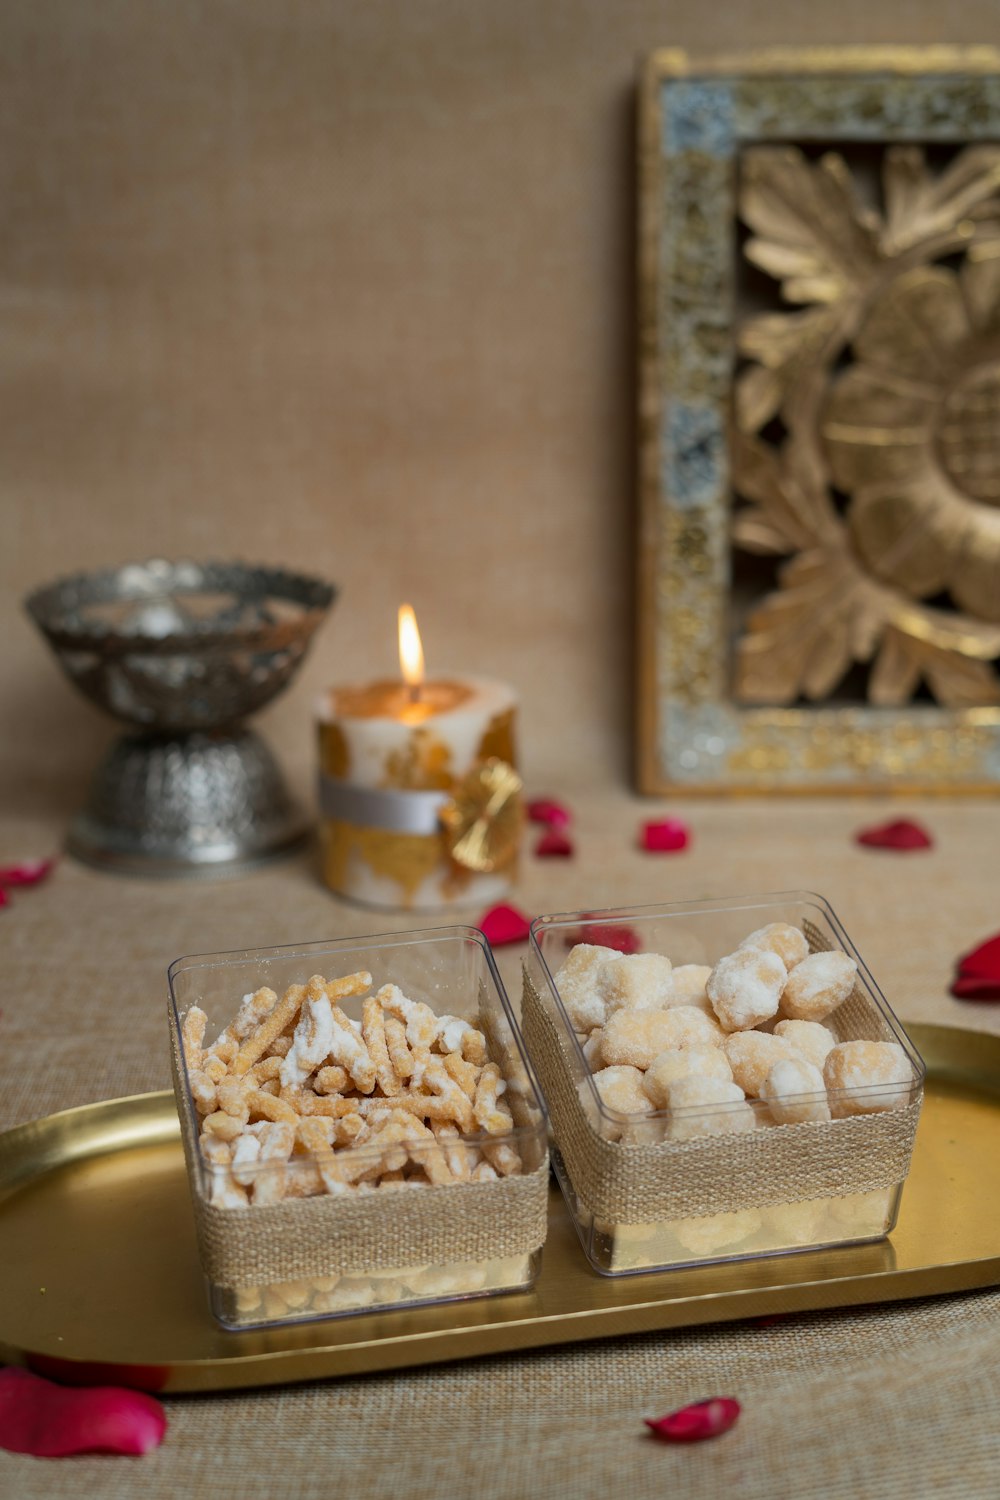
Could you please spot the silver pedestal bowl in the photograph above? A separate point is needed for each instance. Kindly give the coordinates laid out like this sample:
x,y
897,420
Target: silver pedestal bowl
x,y
183,652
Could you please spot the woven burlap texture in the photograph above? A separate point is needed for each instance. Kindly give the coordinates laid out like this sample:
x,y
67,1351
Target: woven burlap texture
x,y
358,1234
632,1183
886,1403
889,1403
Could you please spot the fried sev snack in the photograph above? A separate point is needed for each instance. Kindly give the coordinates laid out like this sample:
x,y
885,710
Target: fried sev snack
x,y
193,1034
291,1084
214,1068
283,1013
486,1106
420,1021
373,1034
398,1048
465,1074
322,1295
202,1091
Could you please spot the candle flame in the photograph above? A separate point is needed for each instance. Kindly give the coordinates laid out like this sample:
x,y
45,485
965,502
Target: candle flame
x,y
411,653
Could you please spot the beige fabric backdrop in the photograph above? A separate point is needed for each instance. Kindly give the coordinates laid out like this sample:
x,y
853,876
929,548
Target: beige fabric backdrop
x,y
347,286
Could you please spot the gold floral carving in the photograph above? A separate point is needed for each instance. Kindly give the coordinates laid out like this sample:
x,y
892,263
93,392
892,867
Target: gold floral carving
x,y
885,379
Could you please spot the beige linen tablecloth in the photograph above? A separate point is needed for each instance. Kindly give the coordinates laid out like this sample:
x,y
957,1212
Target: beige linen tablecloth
x,y
901,1400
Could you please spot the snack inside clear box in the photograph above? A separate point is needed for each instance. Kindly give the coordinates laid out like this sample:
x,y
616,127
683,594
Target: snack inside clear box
x,y
669,1188
414,1199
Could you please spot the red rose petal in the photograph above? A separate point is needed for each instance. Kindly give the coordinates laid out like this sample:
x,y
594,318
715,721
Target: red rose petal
x,y
548,810
978,976
972,987
903,834
98,1372
53,1421
620,936
695,1423
664,836
4,898
553,842
984,961
504,924
28,872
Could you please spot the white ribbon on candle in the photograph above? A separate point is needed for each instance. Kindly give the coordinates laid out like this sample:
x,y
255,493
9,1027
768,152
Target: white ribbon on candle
x,y
380,807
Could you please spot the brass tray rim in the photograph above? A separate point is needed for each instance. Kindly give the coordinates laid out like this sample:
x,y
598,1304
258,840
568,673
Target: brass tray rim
x,y
107,1121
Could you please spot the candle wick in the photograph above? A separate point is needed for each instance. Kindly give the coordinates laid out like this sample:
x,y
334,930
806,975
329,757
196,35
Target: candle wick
x,y
414,692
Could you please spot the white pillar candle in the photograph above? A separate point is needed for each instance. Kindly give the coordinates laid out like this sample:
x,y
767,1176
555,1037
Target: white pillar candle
x,y
419,795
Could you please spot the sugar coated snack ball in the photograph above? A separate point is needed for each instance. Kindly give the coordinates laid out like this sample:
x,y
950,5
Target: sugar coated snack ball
x,y
863,1213
781,938
682,1062
689,981
808,1037
620,1088
794,1092
745,987
879,1070
794,1223
707,1106
636,981
817,986
578,983
636,1037
752,1055
592,1049
711,1232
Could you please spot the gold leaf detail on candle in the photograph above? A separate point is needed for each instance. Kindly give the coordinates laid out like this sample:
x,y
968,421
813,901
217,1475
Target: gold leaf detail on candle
x,y
422,765
334,751
497,742
482,822
407,859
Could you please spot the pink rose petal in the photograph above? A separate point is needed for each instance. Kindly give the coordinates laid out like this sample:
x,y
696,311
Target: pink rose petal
x,y
28,872
548,810
504,924
695,1423
902,835
664,836
53,1421
553,842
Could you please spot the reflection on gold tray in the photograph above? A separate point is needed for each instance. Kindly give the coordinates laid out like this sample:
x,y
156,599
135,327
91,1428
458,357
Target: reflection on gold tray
x,y
99,1278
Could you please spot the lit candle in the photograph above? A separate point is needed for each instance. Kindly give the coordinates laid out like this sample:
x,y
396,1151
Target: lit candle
x,y
420,799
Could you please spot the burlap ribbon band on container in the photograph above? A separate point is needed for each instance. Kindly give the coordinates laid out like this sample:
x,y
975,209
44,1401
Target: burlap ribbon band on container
x,y
625,1183
359,1234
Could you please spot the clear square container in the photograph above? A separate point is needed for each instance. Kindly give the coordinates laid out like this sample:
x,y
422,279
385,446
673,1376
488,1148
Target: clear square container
x,y
641,1196
376,1226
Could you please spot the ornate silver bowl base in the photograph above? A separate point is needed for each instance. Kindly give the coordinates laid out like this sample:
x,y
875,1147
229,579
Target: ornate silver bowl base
x,y
183,652
191,805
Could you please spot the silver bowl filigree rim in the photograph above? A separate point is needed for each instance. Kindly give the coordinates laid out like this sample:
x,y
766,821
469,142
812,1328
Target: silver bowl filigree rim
x,y
56,607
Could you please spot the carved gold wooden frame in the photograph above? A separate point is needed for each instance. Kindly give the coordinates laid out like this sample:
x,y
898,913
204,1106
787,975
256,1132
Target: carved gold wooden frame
x,y
695,116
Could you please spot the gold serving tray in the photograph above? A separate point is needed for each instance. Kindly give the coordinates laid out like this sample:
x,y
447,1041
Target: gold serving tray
x,y
99,1278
